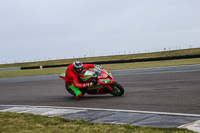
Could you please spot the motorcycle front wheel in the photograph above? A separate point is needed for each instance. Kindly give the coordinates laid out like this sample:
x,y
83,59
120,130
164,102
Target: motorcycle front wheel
x,y
118,90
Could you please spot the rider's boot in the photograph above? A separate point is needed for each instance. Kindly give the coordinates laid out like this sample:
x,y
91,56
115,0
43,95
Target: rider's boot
x,y
79,96
76,91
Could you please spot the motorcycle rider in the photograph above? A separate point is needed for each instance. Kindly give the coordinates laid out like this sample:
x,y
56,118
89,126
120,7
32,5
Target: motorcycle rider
x,y
71,75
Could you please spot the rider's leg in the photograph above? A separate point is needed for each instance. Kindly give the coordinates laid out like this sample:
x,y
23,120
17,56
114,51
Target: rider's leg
x,y
76,91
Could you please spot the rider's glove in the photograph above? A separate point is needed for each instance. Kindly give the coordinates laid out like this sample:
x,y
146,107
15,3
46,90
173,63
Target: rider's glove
x,y
89,84
99,66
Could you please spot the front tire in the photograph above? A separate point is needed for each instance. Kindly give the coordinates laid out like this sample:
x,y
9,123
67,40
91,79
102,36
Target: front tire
x,y
118,90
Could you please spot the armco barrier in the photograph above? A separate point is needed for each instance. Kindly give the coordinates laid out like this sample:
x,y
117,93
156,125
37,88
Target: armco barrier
x,y
34,67
10,69
120,61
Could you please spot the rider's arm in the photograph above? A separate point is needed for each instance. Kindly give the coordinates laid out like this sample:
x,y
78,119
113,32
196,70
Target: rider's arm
x,y
85,66
79,85
74,81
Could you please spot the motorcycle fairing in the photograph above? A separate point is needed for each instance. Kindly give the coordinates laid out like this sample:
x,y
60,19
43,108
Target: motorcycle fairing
x,y
86,75
106,81
62,76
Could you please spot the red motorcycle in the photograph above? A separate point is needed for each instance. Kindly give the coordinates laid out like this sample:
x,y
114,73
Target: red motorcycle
x,y
103,82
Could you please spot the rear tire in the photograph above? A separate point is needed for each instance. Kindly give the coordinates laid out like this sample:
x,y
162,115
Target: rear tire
x,y
118,90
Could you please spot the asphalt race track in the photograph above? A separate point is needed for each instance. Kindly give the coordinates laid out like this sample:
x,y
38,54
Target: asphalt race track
x,y
164,89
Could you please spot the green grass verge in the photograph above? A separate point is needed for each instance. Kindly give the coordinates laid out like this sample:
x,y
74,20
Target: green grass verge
x,y
107,58
29,123
108,66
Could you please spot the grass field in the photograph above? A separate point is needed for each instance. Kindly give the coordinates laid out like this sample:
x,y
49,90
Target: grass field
x,y
29,123
108,66
107,58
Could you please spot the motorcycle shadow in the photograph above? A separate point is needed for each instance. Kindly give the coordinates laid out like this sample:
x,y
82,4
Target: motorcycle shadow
x,y
89,97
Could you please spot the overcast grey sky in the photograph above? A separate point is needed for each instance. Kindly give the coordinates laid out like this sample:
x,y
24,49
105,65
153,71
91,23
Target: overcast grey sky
x,y
42,29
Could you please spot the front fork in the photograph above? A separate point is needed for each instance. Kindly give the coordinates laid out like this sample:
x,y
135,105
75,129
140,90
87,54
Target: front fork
x,y
109,87
107,83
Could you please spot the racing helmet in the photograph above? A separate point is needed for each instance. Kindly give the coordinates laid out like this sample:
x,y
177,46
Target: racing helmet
x,y
78,67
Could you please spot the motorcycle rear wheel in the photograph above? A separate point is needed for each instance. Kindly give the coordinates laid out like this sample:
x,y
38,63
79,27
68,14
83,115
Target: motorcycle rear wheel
x,y
118,90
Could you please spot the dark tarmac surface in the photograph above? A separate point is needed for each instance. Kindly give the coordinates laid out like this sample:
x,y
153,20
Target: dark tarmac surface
x,y
171,89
